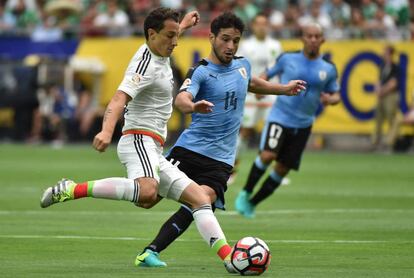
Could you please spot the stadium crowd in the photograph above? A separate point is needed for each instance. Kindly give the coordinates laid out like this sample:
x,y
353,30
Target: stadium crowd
x,y
341,19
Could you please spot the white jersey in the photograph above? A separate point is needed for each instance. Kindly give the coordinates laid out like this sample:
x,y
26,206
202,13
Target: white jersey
x,y
261,54
149,82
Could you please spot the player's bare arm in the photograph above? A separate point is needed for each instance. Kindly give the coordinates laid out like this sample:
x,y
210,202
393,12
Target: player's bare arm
x,y
330,99
263,87
184,102
389,87
112,114
189,20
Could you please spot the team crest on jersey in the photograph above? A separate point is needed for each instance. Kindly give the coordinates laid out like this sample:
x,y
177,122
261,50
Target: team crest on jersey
x,y
322,75
186,84
136,78
243,72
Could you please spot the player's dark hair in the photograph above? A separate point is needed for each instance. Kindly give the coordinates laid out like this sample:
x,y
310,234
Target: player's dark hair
x,y
226,20
155,19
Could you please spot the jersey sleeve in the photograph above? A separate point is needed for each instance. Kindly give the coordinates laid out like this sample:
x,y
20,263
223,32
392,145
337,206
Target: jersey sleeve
x,y
137,76
193,81
134,83
332,85
276,68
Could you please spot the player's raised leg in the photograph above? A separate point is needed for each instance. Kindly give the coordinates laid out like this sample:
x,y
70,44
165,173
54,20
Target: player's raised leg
x,y
109,188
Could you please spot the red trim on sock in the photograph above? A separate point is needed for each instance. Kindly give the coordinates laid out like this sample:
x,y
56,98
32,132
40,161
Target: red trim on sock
x,y
81,190
224,251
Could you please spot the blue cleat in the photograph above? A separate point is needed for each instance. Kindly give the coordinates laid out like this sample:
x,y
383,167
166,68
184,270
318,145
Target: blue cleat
x,y
243,205
149,258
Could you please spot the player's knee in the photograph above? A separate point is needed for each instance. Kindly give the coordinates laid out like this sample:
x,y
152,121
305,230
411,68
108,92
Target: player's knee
x,y
199,197
212,196
148,193
267,157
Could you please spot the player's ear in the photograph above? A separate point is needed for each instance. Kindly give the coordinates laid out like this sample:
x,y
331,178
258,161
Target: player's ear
x,y
151,34
211,37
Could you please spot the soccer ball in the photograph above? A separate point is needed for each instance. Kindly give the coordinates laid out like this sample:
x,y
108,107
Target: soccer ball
x,y
250,256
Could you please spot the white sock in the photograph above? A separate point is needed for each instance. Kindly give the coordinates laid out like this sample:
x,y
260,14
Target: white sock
x,y
207,225
116,189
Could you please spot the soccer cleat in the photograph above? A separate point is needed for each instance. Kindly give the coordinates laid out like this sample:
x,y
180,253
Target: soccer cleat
x,y
149,258
61,192
243,205
228,265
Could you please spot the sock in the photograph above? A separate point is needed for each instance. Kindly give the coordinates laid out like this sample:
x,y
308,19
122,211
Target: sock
x,y
172,229
256,172
210,230
110,188
268,187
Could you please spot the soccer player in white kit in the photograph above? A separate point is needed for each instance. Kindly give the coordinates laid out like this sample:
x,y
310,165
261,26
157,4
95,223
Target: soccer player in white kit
x,y
261,50
146,91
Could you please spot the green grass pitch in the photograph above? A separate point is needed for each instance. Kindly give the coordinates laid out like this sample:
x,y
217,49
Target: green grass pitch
x,y
343,215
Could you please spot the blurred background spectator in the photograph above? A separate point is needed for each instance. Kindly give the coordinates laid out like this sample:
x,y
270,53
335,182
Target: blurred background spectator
x,y
112,20
388,98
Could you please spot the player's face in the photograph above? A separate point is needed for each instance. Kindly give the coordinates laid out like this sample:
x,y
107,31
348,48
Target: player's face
x,y
225,44
260,27
164,41
312,39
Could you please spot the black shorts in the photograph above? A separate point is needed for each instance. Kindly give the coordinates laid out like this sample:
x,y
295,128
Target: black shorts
x,y
203,170
287,143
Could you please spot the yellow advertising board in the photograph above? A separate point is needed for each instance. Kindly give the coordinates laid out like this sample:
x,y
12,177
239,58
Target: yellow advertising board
x,y
357,63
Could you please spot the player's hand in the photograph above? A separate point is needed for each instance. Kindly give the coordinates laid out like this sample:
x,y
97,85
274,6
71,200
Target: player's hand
x,y
189,20
259,97
101,141
325,99
294,87
203,107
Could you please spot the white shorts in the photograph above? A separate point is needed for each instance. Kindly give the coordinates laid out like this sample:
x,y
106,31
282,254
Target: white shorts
x,y
142,157
256,109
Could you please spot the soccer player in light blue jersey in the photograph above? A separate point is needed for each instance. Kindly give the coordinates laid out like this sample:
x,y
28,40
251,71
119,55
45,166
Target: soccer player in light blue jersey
x,y
214,92
289,123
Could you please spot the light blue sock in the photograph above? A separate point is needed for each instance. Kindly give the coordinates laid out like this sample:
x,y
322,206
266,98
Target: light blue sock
x,y
259,164
275,176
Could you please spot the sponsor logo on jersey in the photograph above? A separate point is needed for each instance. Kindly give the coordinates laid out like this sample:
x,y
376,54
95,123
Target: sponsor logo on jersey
x,y
322,75
243,72
186,84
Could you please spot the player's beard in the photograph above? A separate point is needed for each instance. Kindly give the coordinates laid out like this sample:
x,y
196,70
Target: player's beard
x,y
312,54
220,58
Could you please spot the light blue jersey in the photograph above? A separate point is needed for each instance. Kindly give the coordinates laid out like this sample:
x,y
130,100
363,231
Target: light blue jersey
x,y
215,134
320,76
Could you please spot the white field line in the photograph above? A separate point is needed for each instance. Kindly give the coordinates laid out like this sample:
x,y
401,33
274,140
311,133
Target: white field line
x,y
221,213
289,241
